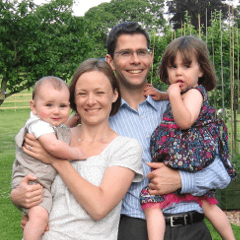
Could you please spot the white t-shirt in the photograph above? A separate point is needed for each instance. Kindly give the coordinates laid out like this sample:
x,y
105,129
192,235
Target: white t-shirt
x,y
68,220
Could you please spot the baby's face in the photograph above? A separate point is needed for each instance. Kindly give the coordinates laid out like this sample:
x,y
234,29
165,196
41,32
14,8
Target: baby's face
x,y
52,105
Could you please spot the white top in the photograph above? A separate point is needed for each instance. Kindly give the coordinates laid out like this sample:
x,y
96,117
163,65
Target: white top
x,y
68,220
38,127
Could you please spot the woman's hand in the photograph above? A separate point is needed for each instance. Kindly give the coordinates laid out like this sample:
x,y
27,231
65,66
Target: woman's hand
x,y
26,195
34,149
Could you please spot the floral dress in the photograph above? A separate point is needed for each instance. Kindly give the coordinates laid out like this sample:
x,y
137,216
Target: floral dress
x,y
188,150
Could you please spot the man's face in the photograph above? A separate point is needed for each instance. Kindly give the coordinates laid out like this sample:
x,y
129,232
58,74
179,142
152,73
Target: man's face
x,y
131,61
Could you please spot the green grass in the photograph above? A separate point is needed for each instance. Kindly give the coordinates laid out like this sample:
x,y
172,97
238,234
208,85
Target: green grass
x,y
10,123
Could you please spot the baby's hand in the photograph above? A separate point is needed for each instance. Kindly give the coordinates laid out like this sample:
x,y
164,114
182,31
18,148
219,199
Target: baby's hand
x,y
153,92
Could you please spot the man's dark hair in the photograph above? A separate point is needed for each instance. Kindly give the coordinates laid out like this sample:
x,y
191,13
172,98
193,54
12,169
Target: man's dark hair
x,y
124,28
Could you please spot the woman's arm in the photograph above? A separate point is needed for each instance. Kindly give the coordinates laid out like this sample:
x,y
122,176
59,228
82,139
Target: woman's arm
x,y
98,201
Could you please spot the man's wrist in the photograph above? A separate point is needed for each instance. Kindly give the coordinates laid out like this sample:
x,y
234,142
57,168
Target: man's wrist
x,y
187,182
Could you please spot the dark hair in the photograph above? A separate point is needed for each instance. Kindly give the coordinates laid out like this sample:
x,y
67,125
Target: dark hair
x,y
56,82
124,28
90,65
187,46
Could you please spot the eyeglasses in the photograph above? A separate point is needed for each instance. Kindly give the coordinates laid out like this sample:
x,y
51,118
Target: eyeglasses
x,y
142,53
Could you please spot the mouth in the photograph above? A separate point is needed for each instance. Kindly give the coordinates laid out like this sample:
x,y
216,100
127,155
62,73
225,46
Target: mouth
x,y
181,81
135,71
92,110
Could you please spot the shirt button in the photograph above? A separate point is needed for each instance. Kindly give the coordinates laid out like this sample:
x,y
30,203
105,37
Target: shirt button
x,y
148,136
46,166
142,116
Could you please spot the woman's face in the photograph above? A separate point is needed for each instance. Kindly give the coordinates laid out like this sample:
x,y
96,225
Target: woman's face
x,y
94,97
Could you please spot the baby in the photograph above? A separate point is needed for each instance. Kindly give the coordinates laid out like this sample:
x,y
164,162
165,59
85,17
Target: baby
x,y
49,110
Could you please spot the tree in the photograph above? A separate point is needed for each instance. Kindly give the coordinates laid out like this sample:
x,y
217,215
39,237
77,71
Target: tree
x,y
37,41
149,13
195,8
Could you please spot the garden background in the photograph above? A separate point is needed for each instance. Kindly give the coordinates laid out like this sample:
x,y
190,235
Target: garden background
x,y
36,41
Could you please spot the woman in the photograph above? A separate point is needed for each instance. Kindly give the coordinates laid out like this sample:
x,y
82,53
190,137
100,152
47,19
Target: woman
x,y
87,194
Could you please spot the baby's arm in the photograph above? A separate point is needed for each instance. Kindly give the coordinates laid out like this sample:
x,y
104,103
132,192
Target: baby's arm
x,y
60,149
185,107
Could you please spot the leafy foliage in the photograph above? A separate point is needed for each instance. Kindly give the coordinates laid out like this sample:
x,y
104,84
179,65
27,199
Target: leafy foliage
x,y
37,41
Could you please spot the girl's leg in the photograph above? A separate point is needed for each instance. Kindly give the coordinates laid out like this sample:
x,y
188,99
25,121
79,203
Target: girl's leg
x,y
219,220
155,223
38,220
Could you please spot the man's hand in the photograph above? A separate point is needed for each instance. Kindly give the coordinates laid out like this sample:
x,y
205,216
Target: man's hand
x,y
26,195
154,93
73,121
163,180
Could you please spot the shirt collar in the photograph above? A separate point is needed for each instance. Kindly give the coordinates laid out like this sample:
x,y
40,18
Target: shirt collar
x,y
148,100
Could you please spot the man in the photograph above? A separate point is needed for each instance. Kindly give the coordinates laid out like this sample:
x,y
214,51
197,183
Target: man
x,y
130,58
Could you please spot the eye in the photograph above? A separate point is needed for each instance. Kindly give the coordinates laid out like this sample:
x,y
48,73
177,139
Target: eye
x,y
142,52
100,92
126,53
49,105
187,65
63,106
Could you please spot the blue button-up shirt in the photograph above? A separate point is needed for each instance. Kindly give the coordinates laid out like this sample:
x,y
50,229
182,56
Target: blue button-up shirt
x,y
140,124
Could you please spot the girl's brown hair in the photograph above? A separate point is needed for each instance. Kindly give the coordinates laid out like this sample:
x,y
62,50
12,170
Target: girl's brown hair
x,y
189,46
94,64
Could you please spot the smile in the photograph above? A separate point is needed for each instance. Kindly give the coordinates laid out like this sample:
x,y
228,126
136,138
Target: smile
x,y
135,71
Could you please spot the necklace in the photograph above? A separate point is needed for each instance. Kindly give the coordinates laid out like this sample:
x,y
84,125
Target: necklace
x,y
88,140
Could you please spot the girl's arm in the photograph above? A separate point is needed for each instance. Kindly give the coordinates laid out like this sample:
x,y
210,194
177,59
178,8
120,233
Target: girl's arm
x,y
59,148
98,201
185,107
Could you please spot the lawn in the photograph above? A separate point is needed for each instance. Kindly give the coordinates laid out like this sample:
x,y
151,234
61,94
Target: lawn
x,y
10,123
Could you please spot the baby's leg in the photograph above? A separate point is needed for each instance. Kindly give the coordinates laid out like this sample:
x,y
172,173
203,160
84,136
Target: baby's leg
x,y
155,223
219,220
38,219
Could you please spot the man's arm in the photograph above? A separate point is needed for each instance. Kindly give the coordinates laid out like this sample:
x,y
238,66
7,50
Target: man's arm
x,y
165,180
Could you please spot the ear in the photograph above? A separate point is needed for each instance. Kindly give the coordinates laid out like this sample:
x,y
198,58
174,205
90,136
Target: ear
x,y
200,73
109,60
115,96
33,107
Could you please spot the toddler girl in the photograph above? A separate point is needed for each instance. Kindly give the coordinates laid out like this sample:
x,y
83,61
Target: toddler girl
x,y
189,136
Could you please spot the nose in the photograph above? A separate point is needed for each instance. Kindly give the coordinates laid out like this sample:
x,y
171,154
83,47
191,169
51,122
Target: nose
x,y
91,99
178,70
56,110
135,58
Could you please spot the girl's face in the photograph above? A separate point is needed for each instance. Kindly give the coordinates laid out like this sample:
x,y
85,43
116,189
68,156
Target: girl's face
x,y
51,105
187,74
94,97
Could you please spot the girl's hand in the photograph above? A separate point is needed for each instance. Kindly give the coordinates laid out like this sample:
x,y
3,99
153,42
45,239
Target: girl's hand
x,y
154,93
174,89
34,149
